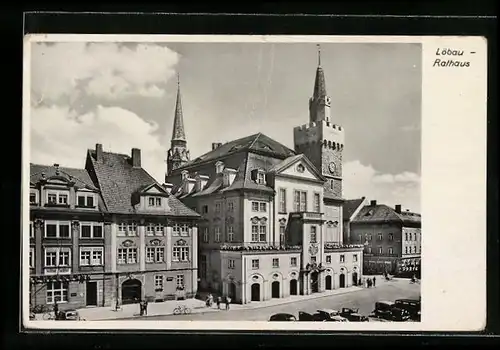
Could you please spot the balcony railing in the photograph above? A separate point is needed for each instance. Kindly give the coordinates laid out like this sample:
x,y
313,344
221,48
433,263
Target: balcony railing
x,y
307,215
333,246
257,246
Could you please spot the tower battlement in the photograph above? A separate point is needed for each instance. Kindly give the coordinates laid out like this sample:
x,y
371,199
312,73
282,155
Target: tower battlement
x,y
322,132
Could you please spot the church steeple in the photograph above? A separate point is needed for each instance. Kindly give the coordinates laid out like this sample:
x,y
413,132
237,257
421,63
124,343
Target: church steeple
x,y
178,154
319,103
178,133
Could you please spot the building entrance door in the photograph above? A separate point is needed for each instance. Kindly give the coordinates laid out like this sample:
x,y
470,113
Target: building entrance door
x,y
342,280
131,291
328,282
293,287
91,291
255,292
314,282
275,289
355,279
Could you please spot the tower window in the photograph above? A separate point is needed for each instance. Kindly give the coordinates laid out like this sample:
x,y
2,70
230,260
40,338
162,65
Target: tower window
x,y
331,184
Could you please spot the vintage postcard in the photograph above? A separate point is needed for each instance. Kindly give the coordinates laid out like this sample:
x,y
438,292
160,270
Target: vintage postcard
x,y
254,182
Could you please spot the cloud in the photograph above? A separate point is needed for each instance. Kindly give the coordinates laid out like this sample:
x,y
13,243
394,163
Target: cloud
x,y
106,70
58,135
391,189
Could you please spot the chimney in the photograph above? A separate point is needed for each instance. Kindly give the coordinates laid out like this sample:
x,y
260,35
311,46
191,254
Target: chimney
x,y
373,202
98,152
398,208
216,145
136,157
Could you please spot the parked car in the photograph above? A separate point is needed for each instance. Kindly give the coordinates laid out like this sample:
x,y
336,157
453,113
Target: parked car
x,y
69,315
304,316
411,305
389,311
352,315
282,317
331,315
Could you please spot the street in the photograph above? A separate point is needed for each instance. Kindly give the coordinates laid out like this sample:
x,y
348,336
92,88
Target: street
x,y
363,299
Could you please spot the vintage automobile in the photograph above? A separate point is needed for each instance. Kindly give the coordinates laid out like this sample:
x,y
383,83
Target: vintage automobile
x,y
411,305
69,315
282,317
304,316
352,315
331,315
389,311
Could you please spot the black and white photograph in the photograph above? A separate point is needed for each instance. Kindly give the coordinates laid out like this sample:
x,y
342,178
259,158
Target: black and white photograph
x,y
275,181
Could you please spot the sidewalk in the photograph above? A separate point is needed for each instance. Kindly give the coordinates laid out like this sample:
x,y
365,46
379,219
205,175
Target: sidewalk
x,y
197,306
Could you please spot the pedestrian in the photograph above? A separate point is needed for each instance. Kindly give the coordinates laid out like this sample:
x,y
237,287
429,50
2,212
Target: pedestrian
x,y
369,283
228,301
141,307
117,305
56,310
219,301
359,282
374,281
211,299
145,307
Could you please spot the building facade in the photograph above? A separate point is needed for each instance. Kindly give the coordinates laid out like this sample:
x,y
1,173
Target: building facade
x,y
272,216
108,233
392,239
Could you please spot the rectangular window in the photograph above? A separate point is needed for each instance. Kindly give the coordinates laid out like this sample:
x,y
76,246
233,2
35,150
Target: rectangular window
x,y
57,256
293,262
91,230
380,237
159,230
155,255
158,283
255,206
205,234
33,199
57,229
127,229
406,236
282,234
360,238
276,262
296,201
230,206
180,253
342,258
406,250
303,201
85,200
380,250
261,178
355,257
91,256
179,281
203,266
369,250
317,203
313,259
369,237
204,209
328,259
32,257
57,197
217,208
255,264
255,233
230,264
158,201
262,233
313,234
32,233
390,250
262,207
390,237
57,292
282,200
127,255
151,201
217,234
230,233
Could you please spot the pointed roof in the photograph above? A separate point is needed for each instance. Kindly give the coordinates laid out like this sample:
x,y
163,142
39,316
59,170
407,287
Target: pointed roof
x,y
285,164
319,82
253,143
178,130
350,206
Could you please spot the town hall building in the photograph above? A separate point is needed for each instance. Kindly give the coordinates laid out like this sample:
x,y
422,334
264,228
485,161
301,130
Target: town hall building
x,y
271,216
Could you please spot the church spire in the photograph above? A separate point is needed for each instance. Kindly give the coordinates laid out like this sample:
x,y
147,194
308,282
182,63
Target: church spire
x,y
178,133
319,82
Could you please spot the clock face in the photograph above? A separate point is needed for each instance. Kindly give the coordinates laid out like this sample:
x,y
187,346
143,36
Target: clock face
x,y
331,167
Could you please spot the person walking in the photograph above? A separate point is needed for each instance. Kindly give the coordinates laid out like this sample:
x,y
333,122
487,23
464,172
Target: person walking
x,y
141,307
145,307
219,301
374,281
228,302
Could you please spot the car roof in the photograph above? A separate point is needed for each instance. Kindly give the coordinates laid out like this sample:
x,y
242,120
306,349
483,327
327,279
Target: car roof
x,y
327,310
385,302
283,314
410,300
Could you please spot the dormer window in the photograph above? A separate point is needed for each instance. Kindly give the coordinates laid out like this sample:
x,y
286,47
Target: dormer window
x,y
33,198
154,201
261,178
57,197
219,167
86,200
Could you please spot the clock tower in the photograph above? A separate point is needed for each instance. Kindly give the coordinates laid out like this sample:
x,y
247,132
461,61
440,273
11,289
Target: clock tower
x,y
321,140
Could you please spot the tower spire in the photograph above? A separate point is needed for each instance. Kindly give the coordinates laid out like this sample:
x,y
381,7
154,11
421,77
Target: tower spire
x,y
319,82
319,55
178,133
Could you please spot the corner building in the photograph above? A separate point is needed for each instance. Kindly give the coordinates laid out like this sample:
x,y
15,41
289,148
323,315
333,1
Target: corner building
x,y
272,218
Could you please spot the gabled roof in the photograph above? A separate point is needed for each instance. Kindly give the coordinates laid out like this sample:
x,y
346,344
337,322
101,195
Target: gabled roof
x,y
258,143
383,213
288,162
79,176
350,206
145,188
119,180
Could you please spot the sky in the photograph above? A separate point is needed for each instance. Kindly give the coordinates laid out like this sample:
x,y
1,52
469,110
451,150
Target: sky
x,y
123,96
